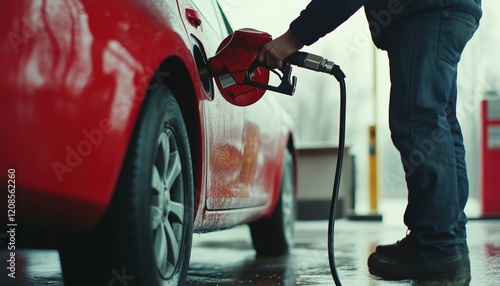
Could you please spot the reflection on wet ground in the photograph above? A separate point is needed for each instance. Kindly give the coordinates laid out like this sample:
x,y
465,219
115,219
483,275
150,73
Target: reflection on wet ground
x,y
227,258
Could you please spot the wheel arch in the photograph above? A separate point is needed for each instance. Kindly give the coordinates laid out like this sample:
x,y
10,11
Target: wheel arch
x,y
177,78
290,146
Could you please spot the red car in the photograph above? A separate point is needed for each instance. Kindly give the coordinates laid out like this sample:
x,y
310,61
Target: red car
x,y
110,137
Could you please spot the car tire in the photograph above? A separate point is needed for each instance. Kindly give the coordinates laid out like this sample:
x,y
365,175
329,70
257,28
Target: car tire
x,y
145,236
274,236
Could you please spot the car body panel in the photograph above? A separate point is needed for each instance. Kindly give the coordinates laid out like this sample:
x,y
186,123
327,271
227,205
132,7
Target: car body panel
x,y
73,76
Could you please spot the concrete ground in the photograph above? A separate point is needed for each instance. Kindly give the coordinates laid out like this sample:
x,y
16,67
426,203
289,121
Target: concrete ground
x,y
227,258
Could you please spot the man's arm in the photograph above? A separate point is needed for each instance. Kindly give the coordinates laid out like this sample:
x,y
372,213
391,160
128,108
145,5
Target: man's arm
x,y
318,19
321,17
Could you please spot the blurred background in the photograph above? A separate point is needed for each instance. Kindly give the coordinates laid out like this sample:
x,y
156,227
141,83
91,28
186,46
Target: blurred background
x,y
315,105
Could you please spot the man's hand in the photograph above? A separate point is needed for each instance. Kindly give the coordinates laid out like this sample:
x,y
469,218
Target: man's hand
x,y
274,52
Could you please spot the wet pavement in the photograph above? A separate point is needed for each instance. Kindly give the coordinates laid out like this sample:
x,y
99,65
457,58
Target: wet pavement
x,y
227,258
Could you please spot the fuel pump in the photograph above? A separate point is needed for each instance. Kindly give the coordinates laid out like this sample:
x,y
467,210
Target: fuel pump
x,y
242,80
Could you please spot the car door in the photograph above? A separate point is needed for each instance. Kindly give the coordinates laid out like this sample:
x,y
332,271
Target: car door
x,y
230,157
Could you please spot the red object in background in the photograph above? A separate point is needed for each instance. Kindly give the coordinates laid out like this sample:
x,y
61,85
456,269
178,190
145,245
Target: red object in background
x,y
490,157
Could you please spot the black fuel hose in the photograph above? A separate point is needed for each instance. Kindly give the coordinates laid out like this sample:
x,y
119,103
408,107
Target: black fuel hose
x,y
336,185
317,63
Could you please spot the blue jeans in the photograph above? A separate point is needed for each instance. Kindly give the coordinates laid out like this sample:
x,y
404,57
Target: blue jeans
x,y
424,52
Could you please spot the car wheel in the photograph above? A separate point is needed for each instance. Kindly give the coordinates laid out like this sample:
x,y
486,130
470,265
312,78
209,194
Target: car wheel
x,y
274,235
145,236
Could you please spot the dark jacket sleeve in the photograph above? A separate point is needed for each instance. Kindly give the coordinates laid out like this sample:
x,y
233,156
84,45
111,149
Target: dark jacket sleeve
x,y
321,17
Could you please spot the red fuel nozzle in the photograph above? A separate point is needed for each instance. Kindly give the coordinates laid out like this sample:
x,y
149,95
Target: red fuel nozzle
x,y
233,64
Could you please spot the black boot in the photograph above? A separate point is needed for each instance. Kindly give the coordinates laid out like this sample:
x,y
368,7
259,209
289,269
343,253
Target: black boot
x,y
403,260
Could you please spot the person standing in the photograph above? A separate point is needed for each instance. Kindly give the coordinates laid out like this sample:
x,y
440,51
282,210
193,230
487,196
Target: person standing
x,y
424,40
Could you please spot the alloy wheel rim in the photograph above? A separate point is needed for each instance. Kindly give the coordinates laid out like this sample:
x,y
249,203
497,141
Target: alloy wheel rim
x,y
167,204
288,212
288,200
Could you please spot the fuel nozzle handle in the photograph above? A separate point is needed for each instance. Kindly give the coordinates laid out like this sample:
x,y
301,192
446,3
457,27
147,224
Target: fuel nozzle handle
x,y
315,63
